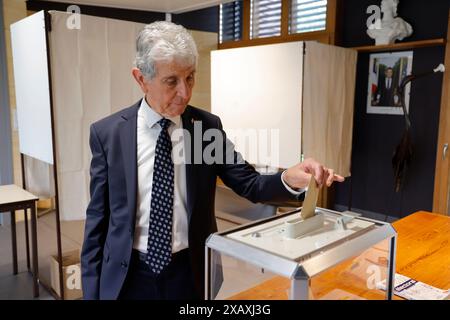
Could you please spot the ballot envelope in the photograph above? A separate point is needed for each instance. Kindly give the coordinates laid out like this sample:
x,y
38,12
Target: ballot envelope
x,y
330,255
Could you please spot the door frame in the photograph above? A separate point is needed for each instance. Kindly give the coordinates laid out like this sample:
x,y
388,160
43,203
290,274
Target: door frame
x,y
442,172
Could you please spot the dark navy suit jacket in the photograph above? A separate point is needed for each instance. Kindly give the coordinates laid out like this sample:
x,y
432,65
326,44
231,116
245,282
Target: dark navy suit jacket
x,y
110,216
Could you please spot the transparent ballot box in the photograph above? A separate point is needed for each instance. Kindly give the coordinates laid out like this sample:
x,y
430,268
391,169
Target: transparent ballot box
x,y
331,255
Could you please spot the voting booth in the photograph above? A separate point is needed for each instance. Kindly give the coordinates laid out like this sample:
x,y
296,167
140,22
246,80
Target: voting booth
x,y
280,103
329,256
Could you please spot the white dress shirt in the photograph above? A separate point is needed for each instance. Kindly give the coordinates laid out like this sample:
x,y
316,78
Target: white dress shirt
x,y
388,83
147,134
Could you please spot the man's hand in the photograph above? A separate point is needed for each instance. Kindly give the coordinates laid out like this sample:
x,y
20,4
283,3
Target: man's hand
x,y
299,175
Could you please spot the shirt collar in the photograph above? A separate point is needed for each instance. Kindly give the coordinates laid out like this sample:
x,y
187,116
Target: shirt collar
x,y
152,117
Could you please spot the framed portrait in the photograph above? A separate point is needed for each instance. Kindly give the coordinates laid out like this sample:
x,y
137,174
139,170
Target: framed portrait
x,y
386,72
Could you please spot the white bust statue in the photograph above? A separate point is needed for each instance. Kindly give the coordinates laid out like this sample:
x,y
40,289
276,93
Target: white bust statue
x,y
391,27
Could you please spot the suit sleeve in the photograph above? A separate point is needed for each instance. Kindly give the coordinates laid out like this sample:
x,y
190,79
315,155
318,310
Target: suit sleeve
x,y
97,219
242,178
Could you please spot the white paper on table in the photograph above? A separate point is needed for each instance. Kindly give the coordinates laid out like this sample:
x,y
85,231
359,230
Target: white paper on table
x,y
415,290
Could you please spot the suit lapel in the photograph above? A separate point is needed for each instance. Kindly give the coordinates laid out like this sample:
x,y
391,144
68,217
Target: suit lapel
x,y
128,142
188,124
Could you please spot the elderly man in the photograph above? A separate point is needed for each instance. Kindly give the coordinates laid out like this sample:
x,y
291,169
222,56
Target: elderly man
x,y
149,215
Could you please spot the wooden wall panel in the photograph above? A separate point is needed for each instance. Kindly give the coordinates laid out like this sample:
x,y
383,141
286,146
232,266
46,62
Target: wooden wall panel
x,y
441,177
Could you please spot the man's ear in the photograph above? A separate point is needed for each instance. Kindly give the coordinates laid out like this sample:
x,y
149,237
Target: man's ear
x,y
139,77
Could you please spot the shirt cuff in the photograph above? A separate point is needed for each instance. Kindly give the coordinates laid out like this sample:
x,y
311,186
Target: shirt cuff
x,y
294,192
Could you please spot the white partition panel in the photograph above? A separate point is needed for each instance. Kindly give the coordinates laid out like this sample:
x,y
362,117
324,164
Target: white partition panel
x,y
32,87
257,92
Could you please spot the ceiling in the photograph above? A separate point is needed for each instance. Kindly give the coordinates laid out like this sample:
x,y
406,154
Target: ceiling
x,y
168,6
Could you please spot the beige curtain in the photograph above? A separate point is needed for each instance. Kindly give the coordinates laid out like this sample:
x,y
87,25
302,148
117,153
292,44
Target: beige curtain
x,y
328,104
90,80
39,177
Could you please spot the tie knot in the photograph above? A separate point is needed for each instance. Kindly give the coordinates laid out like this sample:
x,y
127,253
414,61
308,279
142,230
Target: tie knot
x,y
164,123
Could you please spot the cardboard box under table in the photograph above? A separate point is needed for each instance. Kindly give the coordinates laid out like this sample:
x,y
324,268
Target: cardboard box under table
x,y
71,267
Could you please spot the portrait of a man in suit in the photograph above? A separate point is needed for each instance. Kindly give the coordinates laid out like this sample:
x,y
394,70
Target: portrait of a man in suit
x,y
386,94
149,213
386,72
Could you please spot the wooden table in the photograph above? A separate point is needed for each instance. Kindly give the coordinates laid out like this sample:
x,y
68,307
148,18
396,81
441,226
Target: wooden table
x,y
423,253
423,248
14,198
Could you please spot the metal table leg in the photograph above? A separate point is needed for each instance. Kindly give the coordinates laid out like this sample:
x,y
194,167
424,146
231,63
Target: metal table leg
x,y
14,241
299,289
34,248
27,238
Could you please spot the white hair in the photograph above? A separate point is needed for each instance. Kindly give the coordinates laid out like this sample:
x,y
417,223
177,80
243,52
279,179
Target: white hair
x,y
164,41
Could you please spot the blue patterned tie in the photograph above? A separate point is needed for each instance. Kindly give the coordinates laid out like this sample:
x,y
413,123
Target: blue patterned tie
x,y
159,247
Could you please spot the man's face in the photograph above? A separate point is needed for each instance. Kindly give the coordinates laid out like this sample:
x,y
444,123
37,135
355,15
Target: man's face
x,y
388,73
169,92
